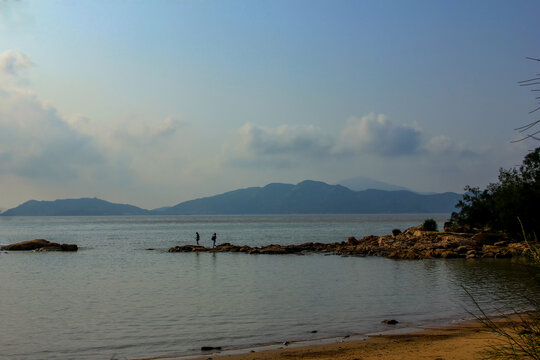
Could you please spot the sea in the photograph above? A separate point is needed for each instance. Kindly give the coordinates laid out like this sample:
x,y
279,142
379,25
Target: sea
x,y
123,296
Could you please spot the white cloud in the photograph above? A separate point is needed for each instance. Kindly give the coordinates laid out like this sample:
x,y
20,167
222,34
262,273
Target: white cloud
x,y
281,147
12,62
140,132
38,143
43,148
286,139
361,143
286,145
375,134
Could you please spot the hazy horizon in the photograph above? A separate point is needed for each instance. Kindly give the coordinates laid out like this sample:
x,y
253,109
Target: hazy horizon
x,y
363,187
156,103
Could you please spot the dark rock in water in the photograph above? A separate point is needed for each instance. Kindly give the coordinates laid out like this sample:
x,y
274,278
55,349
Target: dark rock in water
x,y
40,245
315,331
390,322
210,348
27,245
189,248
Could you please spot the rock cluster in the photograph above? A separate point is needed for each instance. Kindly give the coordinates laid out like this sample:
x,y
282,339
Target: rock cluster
x,y
413,243
39,245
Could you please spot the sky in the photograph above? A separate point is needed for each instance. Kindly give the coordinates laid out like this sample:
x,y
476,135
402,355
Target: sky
x,y
153,103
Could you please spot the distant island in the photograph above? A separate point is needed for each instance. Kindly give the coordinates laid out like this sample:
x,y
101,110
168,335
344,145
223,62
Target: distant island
x,y
74,207
306,197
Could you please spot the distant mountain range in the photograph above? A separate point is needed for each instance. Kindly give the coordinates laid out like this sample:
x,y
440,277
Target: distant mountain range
x,y
306,197
359,183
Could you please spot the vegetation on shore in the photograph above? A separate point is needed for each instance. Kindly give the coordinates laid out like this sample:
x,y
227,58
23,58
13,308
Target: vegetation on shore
x,y
500,205
506,206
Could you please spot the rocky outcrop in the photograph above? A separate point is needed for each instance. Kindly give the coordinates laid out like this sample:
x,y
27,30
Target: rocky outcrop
x,y
413,243
39,245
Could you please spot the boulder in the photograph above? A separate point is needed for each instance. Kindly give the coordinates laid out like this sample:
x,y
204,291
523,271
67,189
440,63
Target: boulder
x,y
188,248
39,245
487,238
463,249
352,241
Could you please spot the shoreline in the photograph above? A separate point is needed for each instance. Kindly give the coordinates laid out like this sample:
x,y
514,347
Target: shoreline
x,y
464,340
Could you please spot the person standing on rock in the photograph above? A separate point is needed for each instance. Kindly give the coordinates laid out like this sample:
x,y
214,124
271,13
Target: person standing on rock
x,y
197,237
214,240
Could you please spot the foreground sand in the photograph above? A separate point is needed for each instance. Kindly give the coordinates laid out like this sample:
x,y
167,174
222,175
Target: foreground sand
x,y
467,341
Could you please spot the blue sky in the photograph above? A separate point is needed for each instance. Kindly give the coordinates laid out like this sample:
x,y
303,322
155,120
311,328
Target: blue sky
x,y
157,102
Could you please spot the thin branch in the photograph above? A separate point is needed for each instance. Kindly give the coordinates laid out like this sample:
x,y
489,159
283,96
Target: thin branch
x,y
528,126
530,112
530,58
538,83
524,81
530,136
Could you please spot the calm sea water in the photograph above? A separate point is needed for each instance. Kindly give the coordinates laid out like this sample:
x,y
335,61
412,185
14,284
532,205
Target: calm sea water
x,y
114,297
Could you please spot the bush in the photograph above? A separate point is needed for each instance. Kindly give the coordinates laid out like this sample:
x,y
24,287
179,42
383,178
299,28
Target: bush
x,y
429,225
396,232
498,207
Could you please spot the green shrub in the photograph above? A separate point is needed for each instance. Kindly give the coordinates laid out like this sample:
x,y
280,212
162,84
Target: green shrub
x,y
396,232
429,225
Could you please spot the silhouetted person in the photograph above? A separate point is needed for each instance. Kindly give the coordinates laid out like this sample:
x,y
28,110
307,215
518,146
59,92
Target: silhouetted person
x,y
214,240
197,238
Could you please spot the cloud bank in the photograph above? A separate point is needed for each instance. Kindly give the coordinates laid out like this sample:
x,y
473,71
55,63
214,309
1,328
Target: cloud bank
x,y
41,146
373,135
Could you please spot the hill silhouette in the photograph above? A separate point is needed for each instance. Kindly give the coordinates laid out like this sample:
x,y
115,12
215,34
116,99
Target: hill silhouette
x,y
73,207
306,197
314,197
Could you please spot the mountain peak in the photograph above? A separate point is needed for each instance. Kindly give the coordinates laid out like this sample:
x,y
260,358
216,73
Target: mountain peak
x,y
359,183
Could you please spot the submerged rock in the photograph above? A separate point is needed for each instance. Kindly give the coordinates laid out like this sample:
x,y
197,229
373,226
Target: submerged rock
x,y
210,348
39,245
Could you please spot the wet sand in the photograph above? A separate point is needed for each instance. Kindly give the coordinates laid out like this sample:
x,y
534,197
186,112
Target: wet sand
x,y
463,342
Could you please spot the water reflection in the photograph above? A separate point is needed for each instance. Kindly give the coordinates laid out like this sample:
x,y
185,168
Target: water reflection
x,y
497,285
112,298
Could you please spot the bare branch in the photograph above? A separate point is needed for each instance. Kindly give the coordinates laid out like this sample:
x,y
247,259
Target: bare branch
x,y
532,82
524,81
530,112
528,126
529,136
537,83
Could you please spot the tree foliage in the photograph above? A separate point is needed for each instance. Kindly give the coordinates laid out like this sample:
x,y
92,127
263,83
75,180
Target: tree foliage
x,y
429,225
501,205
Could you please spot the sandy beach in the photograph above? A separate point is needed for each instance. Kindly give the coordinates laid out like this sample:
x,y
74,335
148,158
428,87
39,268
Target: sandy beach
x,y
463,342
